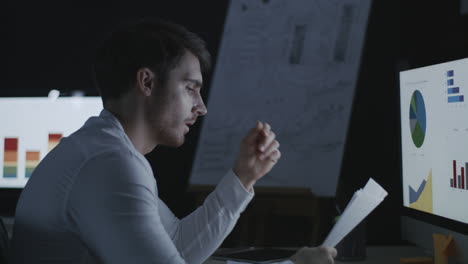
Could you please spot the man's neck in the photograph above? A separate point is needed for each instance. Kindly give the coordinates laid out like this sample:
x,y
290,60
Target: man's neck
x,y
134,126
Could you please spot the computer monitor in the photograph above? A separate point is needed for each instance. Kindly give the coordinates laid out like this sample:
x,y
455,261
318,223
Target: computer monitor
x,y
32,126
434,152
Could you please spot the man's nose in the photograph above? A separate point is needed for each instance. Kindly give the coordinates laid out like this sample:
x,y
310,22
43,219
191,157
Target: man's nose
x,y
201,108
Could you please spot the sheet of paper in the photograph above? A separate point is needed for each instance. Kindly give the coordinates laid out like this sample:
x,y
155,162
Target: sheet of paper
x,y
361,204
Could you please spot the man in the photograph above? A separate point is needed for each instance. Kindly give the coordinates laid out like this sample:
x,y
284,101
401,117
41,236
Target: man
x,y
93,199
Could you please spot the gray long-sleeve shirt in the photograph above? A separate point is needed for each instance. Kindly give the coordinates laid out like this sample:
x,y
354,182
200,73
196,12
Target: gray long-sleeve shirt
x,y
94,199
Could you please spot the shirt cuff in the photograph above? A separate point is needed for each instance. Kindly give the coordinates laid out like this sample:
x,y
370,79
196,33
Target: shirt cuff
x,y
233,194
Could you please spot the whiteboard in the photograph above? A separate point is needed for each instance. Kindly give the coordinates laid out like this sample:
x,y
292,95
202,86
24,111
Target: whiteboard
x,y
293,64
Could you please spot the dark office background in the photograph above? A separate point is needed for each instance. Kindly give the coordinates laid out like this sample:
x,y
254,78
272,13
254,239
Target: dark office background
x,y
49,45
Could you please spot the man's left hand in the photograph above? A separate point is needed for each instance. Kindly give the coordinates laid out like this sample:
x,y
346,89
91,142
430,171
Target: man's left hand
x,y
258,154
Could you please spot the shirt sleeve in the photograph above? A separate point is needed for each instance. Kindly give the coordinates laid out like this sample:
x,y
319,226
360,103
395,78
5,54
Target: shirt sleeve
x,y
113,206
199,234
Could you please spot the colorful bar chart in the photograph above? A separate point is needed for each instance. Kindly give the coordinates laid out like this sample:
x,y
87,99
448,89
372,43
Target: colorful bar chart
x,y
54,139
10,160
458,181
32,160
33,126
32,157
453,92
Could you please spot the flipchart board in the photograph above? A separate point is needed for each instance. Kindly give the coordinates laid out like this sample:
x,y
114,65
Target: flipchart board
x,y
293,64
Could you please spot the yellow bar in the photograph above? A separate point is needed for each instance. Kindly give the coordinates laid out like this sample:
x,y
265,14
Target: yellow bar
x,y
10,164
32,164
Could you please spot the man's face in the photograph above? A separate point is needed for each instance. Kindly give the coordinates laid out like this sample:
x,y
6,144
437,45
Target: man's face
x,y
172,109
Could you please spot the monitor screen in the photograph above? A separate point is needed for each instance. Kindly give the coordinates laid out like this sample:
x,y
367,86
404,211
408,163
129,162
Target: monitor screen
x,y
32,126
434,139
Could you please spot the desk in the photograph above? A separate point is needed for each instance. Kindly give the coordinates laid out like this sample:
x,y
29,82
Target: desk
x,y
388,255
375,255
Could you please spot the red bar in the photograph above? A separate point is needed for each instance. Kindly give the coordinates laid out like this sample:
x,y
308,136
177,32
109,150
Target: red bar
x,y
11,144
454,174
463,178
55,137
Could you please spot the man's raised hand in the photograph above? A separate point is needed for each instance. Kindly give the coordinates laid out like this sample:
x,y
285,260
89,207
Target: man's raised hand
x,y
258,154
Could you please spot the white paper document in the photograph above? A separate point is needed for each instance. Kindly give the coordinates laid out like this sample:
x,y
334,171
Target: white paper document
x,y
362,203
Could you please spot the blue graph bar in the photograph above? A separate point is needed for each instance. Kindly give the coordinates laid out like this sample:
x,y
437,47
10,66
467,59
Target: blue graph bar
x,y
453,90
450,73
451,183
456,99
450,82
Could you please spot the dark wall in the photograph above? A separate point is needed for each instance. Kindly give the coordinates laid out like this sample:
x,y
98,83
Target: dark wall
x,y
50,45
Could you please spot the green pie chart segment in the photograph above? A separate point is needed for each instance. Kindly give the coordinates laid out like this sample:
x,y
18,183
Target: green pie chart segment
x,y
417,115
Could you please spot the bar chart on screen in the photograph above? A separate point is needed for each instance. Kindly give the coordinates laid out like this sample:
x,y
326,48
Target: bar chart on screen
x,y
459,179
33,128
32,157
453,91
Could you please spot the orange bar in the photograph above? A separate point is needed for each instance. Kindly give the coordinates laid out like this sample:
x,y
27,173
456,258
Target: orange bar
x,y
11,156
32,155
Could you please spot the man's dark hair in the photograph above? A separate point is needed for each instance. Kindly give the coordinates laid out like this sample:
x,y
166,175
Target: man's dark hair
x,y
156,44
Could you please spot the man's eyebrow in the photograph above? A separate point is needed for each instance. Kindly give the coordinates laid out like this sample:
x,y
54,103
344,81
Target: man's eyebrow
x,y
196,82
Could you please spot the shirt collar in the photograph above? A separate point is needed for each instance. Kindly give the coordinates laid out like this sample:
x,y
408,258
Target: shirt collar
x,y
108,116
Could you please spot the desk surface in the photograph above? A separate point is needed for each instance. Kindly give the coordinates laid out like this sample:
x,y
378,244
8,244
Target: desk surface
x,y
375,255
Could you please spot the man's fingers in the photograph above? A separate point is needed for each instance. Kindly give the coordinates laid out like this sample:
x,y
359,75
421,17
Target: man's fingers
x,y
321,254
266,128
267,136
263,139
266,141
253,133
330,251
275,155
269,150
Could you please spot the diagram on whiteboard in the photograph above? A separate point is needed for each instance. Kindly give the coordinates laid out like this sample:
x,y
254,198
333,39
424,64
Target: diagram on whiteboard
x,y
295,66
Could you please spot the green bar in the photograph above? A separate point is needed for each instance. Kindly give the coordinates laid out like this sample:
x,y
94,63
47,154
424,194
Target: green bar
x,y
9,172
29,171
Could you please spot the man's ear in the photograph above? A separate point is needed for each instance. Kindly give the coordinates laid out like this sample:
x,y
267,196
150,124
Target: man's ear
x,y
145,81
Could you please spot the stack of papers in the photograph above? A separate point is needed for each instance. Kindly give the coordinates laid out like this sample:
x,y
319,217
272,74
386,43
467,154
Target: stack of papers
x,y
363,202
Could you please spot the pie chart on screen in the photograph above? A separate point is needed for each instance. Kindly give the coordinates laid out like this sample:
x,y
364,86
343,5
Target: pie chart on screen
x,y
417,114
